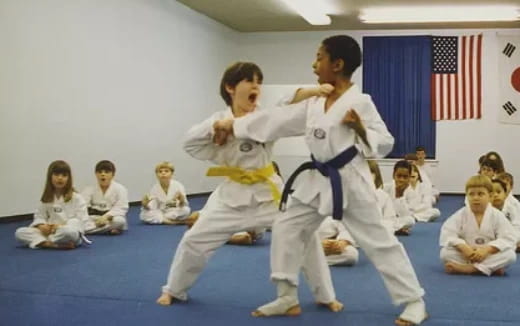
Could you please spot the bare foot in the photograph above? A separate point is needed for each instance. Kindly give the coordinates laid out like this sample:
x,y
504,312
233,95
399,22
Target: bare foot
x,y
291,312
456,268
66,245
47,245
165,299
403,231
241,239
114,232
190,220
499,272
334,306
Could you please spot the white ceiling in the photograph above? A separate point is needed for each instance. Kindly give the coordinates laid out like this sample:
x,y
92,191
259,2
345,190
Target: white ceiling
x,y
274,15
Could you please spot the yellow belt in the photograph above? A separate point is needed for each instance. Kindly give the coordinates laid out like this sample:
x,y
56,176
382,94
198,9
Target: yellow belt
x,y
247,177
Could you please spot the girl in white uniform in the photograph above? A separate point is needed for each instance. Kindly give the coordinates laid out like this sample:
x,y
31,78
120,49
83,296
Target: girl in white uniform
x,y
166,202
404,198
340,131
59,221
424,211
107,202
245,200
477,238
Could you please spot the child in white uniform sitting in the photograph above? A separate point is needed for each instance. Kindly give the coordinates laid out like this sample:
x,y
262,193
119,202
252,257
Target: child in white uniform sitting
x,y
59,221
498,200
338,245
404,198
166,202
424,211
477,239
107,202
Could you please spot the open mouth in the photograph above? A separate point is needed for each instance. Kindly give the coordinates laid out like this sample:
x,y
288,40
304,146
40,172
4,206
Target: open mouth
x,y
252,97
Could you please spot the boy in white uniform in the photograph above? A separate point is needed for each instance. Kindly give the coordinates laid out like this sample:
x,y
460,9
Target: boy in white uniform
x,y
107,202
245,200
166,202
59,221
340,131
405,199
477,238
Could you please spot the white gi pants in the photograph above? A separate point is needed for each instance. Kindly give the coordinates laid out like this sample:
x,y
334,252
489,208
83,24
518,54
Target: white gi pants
x,y
157,216
428,215
348,257
294,236
32,237
216,224
493,262
118,223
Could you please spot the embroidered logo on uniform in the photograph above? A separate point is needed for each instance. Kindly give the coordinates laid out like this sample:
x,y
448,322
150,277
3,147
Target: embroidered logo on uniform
x,y
508,216
480,241
246,147
320,133
171,204
102,205
57,209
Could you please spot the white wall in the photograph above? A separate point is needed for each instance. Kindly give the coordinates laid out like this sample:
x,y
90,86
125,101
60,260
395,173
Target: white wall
x,y
87,80
123,80
459,143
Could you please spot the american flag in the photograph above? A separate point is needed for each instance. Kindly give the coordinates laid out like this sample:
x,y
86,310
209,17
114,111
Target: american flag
x,y
456,77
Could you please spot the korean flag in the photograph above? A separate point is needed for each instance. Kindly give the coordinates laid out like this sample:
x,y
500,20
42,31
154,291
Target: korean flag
x,y
509,77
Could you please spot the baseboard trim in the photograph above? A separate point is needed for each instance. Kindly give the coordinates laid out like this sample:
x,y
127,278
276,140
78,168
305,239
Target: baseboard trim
x,y
26,217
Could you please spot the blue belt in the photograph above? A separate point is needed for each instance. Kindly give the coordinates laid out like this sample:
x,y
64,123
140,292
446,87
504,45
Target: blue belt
x,y
328,169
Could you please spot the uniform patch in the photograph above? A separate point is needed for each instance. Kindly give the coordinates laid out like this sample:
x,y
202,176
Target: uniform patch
x,y
480,241
171,204
508,216
102,205
320,133
246,147
57,209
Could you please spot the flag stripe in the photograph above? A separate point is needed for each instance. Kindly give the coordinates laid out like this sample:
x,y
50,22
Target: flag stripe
x,y
456,77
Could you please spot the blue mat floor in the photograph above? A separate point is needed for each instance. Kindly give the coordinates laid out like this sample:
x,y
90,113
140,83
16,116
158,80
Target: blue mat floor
x,y
116,280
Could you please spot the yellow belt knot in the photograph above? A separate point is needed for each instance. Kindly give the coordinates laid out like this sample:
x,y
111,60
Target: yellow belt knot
x,y
248,177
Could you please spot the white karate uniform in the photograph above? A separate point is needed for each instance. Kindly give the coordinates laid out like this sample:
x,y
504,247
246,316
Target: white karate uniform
x,y
164,205
513,215
114,200
495,230
404,206
70,216
311,201
234,207
427,178
386,205
335,230
424,211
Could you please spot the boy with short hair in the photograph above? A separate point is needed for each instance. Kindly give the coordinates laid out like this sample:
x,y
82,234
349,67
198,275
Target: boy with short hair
x,y
107,202
477,239
166,202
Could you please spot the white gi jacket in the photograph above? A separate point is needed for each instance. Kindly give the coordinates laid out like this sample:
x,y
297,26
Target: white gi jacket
x,y
407,204
326,137
243,153
165,201
462,228
72,213
114,200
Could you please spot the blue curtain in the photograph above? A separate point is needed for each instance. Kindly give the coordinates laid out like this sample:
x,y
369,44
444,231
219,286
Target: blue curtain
x,y
397,74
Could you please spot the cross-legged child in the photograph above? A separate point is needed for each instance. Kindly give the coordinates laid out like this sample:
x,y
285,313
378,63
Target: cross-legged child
x,y
338,244
341,130
166,202
245,200
59,221
477,239
107,202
